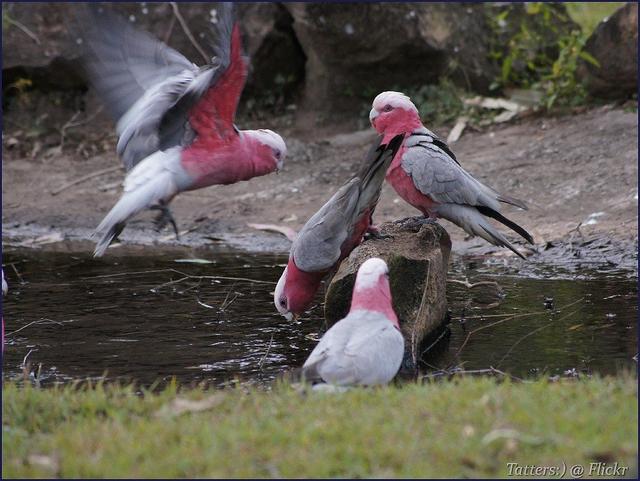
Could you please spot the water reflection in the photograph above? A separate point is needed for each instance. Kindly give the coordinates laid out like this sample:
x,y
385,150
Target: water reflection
x,y
152,318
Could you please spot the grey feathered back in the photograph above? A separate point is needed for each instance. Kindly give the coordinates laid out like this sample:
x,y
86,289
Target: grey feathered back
x,y
437,175
318,244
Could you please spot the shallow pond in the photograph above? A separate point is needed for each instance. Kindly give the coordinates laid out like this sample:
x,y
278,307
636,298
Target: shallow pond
x,y
149,319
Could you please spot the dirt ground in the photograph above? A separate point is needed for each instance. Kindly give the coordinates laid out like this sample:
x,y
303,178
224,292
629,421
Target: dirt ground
x,y
576,169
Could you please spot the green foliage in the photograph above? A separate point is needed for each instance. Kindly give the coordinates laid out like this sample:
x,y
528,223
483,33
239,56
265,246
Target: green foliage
x,y
438,104
589,14
535,59
469,427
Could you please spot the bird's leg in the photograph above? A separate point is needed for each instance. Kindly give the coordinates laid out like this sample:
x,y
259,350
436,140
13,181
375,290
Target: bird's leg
x,y
165,217
374,232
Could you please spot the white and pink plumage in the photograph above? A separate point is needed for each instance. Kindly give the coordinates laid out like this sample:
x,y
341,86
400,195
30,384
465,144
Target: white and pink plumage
x,y
366,347
427,175
174,119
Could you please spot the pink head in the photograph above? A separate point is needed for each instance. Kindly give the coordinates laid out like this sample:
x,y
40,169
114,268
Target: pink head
x,y
393,113
295,290
371,291
269,148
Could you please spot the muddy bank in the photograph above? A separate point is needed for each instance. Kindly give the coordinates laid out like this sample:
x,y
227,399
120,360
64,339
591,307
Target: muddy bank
x,y
564,167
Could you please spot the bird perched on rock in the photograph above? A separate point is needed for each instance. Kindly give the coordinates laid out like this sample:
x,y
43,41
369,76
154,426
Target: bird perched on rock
x,y
333,232
366,347
174,119
427,175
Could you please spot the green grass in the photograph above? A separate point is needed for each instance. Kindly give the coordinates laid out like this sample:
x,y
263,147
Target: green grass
x,y
470,427
588,15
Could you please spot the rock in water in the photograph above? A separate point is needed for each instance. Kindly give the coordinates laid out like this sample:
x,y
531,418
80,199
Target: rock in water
x,y
417,258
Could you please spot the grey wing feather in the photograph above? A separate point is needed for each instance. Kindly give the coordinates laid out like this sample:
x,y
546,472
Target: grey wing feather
x,y
317,245
146,85
376,354
151,123
121,61
437,175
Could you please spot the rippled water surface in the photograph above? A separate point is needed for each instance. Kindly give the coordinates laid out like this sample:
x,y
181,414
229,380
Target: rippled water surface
x,y
150,319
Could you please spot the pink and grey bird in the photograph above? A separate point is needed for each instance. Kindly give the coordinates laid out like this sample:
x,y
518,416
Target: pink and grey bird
x,y
427,175
174,119
333,232
366,347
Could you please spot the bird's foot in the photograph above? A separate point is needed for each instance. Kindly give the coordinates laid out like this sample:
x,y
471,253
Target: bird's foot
x,y
374,232
165,217
414,223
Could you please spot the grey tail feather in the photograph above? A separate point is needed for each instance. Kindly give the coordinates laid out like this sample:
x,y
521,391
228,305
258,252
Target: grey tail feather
x,y
489,212
307,374
499,240
513,201
379,157
106,239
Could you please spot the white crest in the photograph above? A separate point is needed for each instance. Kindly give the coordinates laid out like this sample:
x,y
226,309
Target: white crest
x,y
395,99
270,138
370,272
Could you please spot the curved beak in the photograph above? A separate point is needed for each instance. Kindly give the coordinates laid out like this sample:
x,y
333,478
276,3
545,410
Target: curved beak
x,y
372,117
291,317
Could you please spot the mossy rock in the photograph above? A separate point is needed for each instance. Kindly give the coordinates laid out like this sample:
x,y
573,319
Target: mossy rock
x,y
417,260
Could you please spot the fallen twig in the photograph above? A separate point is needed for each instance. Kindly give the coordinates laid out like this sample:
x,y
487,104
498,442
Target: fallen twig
x,y
70,124
15,269
186,276
288,232
469,285
84,178
22,27
24,360
457,130
534,331
204,305
39,322
266,353
511,317
455,372
188,33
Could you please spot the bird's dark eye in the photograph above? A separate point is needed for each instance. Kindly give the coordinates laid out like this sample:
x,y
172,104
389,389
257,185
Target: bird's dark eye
x,y
277,153
387,108
283,302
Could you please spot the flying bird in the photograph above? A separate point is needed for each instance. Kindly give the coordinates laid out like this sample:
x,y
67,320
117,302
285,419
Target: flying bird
x,y
175,120
333,232
427,175
366,347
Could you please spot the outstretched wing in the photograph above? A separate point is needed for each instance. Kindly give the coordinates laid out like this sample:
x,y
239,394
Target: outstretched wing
x,y
149,88
212,115
122,62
